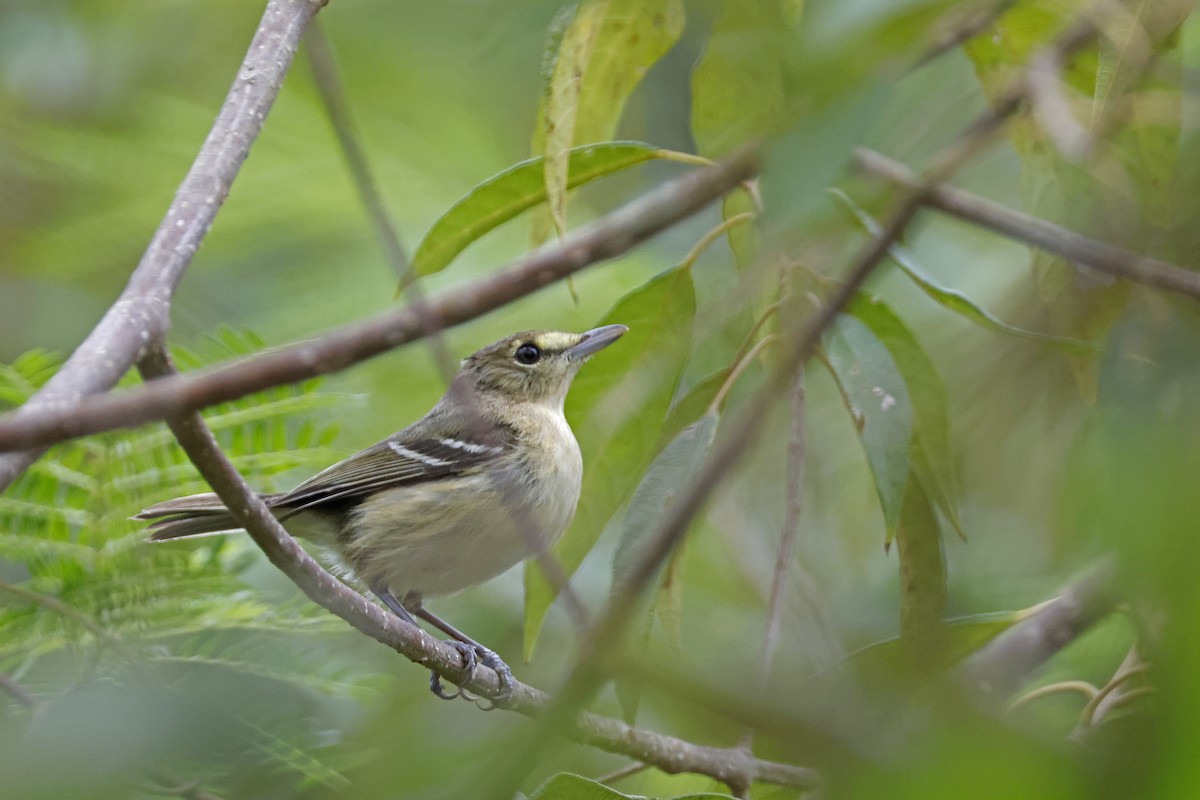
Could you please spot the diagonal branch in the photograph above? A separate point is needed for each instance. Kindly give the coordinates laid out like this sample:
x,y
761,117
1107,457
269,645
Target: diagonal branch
x,y
142,313
1001,666
606,238
1038,232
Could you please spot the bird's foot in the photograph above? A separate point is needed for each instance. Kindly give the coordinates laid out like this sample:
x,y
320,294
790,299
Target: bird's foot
x,y
473,655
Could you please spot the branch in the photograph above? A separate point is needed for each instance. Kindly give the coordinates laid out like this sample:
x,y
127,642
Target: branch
x,y
18,692
995,671
606,238
142,313
664,752
1038,232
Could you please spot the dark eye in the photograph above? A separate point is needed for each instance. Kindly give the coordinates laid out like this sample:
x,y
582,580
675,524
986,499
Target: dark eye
x,y
528,354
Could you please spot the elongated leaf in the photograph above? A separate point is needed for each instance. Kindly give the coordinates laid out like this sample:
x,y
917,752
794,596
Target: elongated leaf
x,y
738,84
617,407
874,386
562,103
923,592
596,62
693,405
738,94
932,461
517,189
568,786
670,471
635,34
951,299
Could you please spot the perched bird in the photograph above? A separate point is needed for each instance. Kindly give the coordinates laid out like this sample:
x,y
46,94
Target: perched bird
x,y
490,475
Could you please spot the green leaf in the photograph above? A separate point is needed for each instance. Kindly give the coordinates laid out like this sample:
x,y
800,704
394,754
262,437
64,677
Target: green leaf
x,y
738,95
876,390
738,85
951,299
517,189
693,404
962,637
562,103
568,786
617,407
598,60
670,471
932,461
923,591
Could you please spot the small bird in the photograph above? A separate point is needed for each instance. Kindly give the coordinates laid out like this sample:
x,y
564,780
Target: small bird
x,y
484,480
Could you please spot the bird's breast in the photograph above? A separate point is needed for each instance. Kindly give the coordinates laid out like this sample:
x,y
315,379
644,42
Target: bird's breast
x,y
445,535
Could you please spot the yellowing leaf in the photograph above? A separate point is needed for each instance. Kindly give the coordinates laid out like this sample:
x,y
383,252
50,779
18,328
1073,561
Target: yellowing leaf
x,y
598,60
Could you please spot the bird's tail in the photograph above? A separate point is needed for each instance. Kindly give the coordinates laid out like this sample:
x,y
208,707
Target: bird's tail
x,y
194,515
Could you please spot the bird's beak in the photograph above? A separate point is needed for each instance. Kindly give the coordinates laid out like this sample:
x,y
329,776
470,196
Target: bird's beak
x,y
595,340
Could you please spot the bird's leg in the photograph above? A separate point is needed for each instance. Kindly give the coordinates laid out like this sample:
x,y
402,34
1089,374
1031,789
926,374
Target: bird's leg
x,y
472,651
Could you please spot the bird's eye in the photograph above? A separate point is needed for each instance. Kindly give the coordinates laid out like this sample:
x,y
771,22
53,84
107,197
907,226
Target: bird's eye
x,y
528,354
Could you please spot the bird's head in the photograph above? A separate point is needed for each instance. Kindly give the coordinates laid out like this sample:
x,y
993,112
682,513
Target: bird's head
x,y
536,366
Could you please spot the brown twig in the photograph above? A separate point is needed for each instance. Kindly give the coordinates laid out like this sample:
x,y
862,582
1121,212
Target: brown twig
x,y
1038,232
607,238
142,312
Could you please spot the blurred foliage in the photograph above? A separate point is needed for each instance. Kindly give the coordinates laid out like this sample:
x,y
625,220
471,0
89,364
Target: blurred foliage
x,y
1007,416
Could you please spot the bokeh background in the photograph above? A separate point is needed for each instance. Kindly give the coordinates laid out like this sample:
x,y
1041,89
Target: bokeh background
x,y
1060,457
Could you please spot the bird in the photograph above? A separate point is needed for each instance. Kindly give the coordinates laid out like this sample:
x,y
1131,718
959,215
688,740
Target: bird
x,y
487,478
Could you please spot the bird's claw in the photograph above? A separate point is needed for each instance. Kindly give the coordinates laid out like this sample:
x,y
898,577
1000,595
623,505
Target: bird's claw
x,y
473,656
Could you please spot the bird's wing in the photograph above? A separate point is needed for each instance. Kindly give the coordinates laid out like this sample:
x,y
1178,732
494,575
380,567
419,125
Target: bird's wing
x,y
393,462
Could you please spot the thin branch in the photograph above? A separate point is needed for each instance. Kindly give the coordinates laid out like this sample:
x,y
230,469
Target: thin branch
x,y
1051,108
1053,689
142,312
796,455
17,691
167,784
784,563
1113,695
962,28
1039,233
996,670
333,95
623,772
607,238
66,610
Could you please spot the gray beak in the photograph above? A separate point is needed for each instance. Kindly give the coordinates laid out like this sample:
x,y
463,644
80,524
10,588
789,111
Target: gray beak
x,y
595,340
